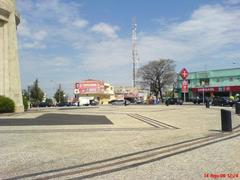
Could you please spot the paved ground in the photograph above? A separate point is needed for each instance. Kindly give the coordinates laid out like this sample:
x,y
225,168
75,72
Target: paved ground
x,y
143,142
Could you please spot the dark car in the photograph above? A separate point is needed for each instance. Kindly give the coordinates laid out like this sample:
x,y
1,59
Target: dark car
x,y
139,101
222,101
199,100
172,101
62,104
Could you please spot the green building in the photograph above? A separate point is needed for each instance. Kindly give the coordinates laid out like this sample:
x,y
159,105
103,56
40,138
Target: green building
x,y
222,82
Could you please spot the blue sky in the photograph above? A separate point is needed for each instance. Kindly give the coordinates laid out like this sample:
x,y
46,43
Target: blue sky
x,y
65,41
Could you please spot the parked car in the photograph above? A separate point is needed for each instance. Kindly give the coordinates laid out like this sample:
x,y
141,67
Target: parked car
x,y
140,101
177,101
222,101
197,100
62,104
93,102
119,102
43,104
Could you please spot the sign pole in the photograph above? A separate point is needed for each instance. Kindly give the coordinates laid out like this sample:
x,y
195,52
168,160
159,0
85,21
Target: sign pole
x,y
203,83
184,75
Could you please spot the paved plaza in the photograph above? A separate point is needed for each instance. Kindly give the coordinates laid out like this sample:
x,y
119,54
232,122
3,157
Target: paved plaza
x,y
119,142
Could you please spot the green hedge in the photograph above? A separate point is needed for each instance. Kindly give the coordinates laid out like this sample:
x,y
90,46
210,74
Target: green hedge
x,y
6,105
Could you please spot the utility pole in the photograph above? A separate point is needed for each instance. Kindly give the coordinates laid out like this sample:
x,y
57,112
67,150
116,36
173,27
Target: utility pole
x,y
59,90
135,57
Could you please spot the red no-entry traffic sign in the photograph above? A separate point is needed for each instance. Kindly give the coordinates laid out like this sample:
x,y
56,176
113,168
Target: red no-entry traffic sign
x,y
184,73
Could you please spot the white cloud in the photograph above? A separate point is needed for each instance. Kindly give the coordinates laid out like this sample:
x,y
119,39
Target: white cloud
x,y
80,23
106,29
59,62
211,30
210,34
232,2
33,45
40,35
108,54
23,28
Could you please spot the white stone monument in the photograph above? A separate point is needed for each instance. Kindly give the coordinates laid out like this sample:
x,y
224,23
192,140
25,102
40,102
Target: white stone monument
x,y
10,82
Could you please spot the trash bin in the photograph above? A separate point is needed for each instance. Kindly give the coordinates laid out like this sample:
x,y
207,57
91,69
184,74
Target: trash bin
x,y
207,104
237,107
226,120
167,103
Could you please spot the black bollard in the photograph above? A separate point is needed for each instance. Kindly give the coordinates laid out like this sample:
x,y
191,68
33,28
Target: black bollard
x,y
237,107
207,104
167,103
226,119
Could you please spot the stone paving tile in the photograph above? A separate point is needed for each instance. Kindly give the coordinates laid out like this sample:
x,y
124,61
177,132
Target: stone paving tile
x,y
28,152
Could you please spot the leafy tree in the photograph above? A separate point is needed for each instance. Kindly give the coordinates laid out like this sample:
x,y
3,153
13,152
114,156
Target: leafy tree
x,y
157,75
25,102
60,96
25,94
36,93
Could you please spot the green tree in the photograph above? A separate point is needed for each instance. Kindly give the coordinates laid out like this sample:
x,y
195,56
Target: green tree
x,y
36,93
60,96
25,96
157,75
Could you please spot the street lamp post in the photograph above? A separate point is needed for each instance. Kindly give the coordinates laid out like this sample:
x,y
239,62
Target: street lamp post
x,y
203,84
58,90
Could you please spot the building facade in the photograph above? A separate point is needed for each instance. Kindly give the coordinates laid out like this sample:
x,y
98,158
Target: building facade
x,y
222,82
94,90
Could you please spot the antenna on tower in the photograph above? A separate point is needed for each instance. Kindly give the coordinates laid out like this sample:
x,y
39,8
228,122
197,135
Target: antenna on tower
x,y
135,57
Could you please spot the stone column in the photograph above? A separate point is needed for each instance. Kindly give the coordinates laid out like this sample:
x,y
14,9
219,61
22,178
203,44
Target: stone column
x,y
10,82
1,58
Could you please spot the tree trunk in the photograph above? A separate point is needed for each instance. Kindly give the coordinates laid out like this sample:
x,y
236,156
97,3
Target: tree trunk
x,y
161,96
173,91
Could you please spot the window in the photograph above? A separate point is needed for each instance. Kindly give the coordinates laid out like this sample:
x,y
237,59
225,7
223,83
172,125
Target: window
x,y
231,79
204,82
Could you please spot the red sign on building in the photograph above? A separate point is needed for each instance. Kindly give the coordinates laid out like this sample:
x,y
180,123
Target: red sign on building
x,y
218,89
184,73
184,86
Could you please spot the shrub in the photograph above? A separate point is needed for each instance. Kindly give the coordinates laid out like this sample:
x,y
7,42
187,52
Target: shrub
x,y
6,105
25,103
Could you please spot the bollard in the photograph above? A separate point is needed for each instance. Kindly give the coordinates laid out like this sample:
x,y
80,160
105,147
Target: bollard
x,y
207,104
237,106
226,120
167,103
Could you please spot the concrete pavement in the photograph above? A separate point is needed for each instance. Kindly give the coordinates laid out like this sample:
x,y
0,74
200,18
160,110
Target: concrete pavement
x,y
144,142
